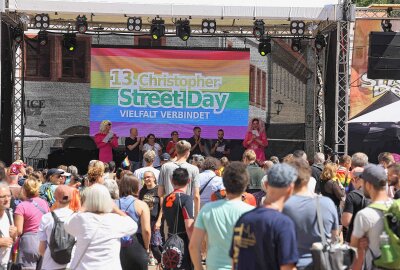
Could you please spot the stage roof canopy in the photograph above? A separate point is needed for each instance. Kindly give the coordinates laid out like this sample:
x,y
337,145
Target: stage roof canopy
x,y
246,11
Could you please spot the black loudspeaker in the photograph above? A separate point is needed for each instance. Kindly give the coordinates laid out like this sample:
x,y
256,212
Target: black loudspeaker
x,y
6,145
384,55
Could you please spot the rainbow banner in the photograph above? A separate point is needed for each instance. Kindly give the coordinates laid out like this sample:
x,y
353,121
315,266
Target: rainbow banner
x,y
161,90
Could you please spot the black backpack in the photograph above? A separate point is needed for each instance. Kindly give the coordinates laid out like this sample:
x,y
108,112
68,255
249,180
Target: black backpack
x,y
174,247
61,242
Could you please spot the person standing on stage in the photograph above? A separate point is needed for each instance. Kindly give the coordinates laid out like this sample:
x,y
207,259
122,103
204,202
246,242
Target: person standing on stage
x,y
152,145
256,139
106,140
171,150
197,143
133,145
221,147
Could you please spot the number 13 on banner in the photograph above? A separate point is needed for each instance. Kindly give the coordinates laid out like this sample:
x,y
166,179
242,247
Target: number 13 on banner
x,y
121,77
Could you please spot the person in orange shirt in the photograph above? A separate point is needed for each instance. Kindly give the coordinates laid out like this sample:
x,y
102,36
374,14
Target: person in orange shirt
x,y
171,144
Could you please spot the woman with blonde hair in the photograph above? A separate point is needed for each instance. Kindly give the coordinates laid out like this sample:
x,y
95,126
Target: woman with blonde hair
x,y
98,228
106,140
331,187
27,220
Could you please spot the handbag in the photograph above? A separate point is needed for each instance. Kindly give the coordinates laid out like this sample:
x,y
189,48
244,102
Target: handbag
x,y
328,255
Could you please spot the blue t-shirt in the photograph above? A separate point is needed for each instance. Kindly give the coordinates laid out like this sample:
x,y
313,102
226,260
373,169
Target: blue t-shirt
x,y
303,211
263,238
127,204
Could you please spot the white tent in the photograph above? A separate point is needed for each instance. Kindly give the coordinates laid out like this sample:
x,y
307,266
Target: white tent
x,y
387,114
310,10
34,135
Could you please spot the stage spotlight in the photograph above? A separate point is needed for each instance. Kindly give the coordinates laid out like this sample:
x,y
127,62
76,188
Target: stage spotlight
x,y
296,44
42,21
157,29
208,26
42,37
320,42
264,47
258,28
18,34
183,29
134,24
386,26
69,42
81,24
297,28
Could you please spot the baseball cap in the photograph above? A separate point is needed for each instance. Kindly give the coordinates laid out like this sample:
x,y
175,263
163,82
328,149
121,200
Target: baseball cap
x,y
63,193
54,171
65,173
374,174
165,157
281,175
356,172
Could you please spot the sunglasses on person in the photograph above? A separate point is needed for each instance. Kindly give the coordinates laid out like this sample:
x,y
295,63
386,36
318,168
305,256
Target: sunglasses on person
x,y
174,134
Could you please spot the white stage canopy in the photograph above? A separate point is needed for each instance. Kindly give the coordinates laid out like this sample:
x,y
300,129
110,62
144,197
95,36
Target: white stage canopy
x,y
309,10
387,114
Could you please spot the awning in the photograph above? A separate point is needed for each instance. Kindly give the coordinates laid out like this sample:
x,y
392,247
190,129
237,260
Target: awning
x,y
387,114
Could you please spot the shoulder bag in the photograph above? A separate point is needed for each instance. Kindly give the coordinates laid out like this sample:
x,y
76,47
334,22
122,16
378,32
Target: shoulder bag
x,y
327,255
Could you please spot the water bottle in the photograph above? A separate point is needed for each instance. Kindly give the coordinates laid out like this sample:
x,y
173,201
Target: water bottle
x,y
386,252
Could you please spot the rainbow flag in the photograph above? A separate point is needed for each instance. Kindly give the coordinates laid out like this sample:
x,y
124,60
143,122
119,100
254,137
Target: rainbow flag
x,y
126,163
161,90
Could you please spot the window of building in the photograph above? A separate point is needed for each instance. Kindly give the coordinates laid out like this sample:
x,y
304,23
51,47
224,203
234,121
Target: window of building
x,y
37,65
259,87
252,86
73,63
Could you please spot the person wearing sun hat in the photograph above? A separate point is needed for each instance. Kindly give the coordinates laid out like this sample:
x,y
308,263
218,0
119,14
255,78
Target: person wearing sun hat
x,y
53,179
62,195
265,230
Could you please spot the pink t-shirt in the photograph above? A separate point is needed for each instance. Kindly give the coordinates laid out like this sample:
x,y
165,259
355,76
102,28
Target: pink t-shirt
x,y
31,214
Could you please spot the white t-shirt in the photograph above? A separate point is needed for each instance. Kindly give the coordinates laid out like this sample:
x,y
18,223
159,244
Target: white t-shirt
x,y
5,230
44,233
369,222
311,185
214,185
139,173
156,147
98,239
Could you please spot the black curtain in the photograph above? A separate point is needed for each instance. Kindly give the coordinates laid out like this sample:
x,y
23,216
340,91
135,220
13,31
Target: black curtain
x,y
6,94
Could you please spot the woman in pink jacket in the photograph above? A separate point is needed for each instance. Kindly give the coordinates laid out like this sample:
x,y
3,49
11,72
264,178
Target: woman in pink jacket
x,y
256,139
106,140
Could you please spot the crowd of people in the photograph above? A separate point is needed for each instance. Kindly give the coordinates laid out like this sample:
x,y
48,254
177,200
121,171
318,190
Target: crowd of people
x,y
183,210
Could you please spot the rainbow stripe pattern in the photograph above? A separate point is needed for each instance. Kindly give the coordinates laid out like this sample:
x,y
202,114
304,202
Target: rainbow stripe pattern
x,y
161,90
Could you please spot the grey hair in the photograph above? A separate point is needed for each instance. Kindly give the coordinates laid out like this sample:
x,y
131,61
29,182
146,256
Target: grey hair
x,y
112,187
359,159
319,158
72,170
98,199
149,156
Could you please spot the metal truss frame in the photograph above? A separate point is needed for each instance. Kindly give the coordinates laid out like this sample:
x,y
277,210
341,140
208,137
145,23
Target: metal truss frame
x,y
342,80
106,28
17,122
319,106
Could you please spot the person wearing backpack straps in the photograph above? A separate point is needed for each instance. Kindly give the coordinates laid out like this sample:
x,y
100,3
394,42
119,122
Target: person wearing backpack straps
x,y
52,227
28,215
209,181
179,215
355,201
134,248
8,232
368,223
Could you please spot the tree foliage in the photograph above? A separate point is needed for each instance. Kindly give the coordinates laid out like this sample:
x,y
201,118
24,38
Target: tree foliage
x,y
365,3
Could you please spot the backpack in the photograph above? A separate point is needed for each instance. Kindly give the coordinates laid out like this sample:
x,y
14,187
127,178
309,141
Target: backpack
x,y
61,242
174,247
126,241
390,253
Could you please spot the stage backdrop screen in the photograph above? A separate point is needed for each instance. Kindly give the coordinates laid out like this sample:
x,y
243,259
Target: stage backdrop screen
x,y
162,90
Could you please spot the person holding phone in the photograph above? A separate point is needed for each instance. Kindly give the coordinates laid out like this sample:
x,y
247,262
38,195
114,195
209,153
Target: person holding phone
x,y
106,140
256,139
